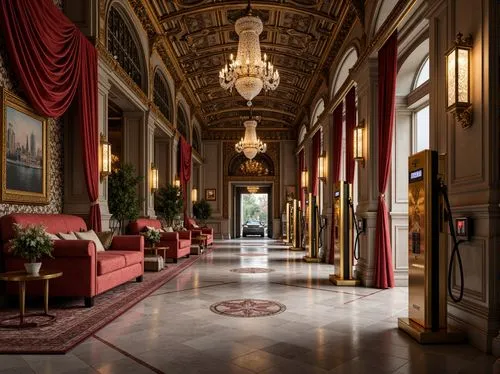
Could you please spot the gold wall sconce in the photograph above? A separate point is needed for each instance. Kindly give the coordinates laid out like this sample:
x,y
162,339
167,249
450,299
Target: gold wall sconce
x,y
194,195
458,69
304,179
359,134
154,177
105,157
322,167
177,182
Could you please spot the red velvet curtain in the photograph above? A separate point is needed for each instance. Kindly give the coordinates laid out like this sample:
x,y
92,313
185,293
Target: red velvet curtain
x,y
185,152
350,124
387,71
337,159
316,152
56,64
302,165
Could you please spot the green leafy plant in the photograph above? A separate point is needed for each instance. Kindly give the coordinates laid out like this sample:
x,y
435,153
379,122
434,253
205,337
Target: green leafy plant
x,y
123,200
168,203
152,236
31,242
202,211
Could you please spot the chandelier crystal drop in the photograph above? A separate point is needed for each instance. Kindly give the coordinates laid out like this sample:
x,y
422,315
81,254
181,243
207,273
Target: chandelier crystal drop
x,y
249,72
250,145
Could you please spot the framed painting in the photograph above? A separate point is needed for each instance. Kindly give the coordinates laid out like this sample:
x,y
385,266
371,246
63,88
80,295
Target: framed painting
x,y
24,153
210,194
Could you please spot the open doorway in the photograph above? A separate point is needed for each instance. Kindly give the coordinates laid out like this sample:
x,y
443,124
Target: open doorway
x,y
252,211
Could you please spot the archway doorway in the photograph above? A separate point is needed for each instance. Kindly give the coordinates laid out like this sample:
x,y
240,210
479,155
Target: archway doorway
x,y
252,211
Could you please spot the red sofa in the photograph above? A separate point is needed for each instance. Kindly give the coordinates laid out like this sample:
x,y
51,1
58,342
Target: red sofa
x,y
207,231
178,243
86,273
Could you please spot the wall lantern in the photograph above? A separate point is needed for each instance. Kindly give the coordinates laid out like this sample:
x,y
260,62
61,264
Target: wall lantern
x,y
253,189
322,167
154,177
358,142
458,80
177,182
105,157
304,179
194,195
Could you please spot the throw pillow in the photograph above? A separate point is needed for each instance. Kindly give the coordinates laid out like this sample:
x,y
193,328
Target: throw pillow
x,y
91,235
169,229
106,238
53,236
68,236
195,226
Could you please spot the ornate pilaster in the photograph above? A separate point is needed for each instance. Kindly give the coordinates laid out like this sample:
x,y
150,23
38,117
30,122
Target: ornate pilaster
x,y
367,88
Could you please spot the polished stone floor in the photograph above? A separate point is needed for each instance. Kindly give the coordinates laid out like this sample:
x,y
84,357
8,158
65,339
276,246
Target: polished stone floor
x,y
325,329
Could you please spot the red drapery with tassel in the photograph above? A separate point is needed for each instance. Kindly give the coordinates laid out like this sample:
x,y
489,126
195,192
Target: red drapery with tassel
x,y
337,159
316,152
185,152
387,71
56,64
350,124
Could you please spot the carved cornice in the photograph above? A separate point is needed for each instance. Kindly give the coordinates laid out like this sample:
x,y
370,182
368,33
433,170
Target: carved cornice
x,y
109,61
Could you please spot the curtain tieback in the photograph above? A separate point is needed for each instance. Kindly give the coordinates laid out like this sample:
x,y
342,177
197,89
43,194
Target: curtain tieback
x,y
94,203
382,196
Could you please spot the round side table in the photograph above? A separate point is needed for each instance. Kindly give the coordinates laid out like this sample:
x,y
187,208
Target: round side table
x,y
22,277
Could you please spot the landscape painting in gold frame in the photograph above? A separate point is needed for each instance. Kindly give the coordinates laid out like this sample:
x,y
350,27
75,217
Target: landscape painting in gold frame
x,y
25,152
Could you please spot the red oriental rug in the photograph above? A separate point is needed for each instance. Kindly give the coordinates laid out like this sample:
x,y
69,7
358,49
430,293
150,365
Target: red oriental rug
x,y
74,322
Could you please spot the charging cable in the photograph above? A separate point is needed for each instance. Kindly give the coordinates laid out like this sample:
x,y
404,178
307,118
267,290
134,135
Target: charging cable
x,y
455,251
355,249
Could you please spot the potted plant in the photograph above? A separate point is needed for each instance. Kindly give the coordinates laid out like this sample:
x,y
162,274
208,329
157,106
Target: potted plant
x,y
123,199
31,243
152,237
202,211
168,203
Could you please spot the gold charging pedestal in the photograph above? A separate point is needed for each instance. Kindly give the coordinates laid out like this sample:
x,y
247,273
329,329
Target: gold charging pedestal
x,y
295,226
343,241
427,264
312,231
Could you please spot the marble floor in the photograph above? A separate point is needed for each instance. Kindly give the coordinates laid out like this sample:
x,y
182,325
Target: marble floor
x,y
325,329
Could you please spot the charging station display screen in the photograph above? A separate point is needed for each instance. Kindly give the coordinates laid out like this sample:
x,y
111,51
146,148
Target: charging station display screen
x,y
416,175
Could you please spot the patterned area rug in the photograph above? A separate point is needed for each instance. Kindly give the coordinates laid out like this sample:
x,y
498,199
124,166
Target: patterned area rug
x,y
248,308
75,323
251,270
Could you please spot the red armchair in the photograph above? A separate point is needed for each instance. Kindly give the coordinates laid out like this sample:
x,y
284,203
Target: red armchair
x,y
197,231
86,272
178,243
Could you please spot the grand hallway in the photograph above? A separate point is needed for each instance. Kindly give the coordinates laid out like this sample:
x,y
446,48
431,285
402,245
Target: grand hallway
x,y
323,329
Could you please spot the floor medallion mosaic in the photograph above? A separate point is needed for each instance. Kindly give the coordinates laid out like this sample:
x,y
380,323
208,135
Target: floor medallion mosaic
x,y
251,270
248,308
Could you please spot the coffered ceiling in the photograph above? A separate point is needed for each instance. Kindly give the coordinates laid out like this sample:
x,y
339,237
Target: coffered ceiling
x,y
300,36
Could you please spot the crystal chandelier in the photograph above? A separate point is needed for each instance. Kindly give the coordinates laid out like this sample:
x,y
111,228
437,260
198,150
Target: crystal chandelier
x,y
249,73
250,145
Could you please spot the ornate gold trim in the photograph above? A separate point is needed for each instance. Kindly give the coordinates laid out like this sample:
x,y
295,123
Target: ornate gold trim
x,y
15,196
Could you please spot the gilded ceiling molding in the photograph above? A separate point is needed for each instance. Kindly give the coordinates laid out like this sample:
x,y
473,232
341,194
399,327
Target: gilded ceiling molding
x,y
158,41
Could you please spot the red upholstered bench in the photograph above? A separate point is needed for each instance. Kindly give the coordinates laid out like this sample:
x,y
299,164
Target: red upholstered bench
x,y
86,272
178,243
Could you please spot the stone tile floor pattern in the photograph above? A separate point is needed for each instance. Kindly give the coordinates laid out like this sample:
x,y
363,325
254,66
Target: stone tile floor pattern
x,y
325,329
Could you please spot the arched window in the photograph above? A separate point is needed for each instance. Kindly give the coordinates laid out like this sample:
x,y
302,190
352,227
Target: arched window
x,y
318,111
421,114
123,46
423,74
161,95
196,141
342,72
182,123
